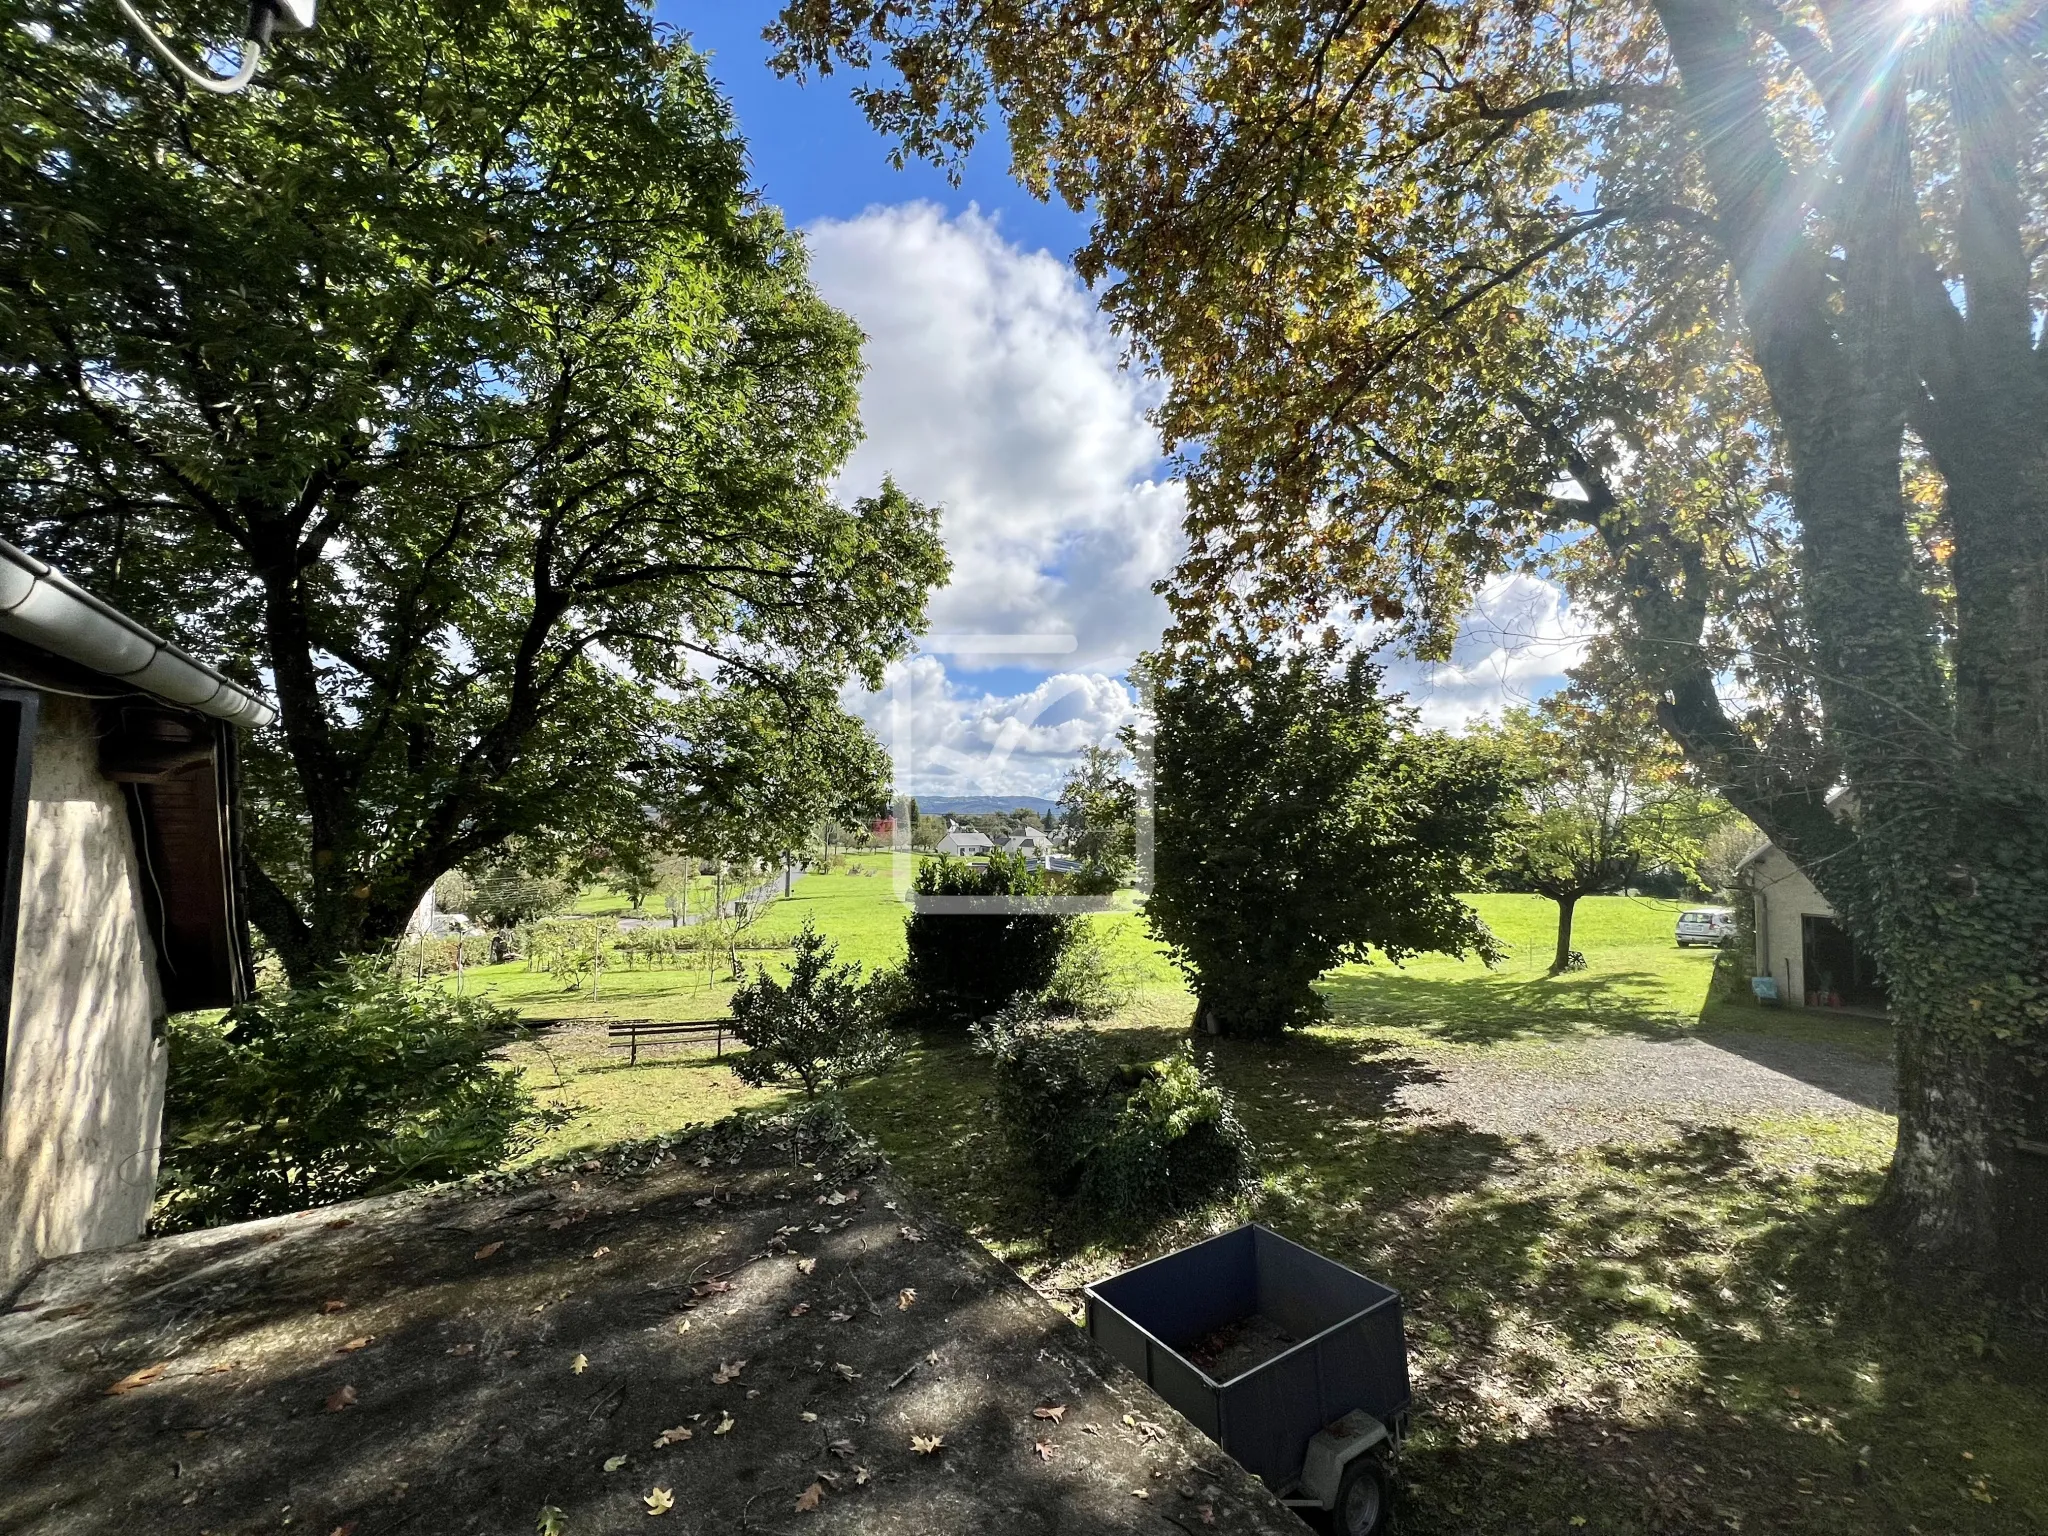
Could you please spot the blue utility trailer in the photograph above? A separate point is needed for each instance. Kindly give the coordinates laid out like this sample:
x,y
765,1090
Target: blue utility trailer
x,y
1294,1364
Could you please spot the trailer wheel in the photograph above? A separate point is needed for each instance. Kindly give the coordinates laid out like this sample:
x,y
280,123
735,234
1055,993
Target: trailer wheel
x,y
1363,1499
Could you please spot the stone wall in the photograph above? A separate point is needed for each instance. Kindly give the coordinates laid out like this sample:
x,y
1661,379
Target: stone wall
x,y
83,1101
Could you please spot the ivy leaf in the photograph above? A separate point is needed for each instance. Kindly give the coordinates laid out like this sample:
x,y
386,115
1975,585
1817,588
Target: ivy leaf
x,y
659,1501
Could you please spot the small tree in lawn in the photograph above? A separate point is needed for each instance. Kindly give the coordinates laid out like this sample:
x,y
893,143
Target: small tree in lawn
x,y
1300,821
1603,800
819,1028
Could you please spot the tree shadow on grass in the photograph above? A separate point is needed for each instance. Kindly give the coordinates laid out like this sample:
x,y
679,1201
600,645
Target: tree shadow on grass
x,y
1490,1009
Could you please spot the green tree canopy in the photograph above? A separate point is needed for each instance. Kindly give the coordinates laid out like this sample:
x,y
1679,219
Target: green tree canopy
x,y
1299,821
450,385
1102,820
1725,310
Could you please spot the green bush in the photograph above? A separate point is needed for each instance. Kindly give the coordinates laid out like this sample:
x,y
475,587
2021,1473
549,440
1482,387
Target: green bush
x,y
1122,1144
355,1085
823,1026
1086,983
963,966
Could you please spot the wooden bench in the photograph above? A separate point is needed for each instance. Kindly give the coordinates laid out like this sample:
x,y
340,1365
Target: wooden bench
x,y
627,1034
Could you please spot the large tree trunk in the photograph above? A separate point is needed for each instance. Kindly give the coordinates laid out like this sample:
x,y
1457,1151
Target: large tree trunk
x,y
1944,871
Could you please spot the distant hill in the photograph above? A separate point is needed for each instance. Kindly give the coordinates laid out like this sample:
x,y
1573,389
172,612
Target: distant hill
x,y
981,805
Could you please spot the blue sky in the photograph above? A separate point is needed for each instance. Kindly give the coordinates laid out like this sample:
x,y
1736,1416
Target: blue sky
x,y
994,388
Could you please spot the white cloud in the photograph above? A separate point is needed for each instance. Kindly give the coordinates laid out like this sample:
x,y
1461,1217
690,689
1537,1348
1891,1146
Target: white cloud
x,y
994,388
1513,647
950,740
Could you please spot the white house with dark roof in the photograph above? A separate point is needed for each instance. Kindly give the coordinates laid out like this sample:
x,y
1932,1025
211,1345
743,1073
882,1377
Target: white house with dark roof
x,y
964,843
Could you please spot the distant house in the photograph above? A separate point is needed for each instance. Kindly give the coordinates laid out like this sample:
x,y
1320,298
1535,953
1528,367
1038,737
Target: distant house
x,y
120,901
1801,942
964,843
1031,842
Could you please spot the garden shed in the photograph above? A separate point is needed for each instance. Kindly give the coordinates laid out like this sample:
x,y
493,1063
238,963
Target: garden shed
x,y
1802,943
119,901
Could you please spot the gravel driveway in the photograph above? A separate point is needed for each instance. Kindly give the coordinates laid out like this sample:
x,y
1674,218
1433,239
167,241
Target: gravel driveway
x,y
1631,1089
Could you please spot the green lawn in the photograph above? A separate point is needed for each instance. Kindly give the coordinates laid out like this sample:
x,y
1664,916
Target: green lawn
x,y
1697,1331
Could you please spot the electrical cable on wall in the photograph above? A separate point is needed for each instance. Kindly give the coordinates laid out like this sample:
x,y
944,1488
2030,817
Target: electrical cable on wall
x,y
265,16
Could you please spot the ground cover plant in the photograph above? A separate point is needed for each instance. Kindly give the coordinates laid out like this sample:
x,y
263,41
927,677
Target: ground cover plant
x,y
355,1084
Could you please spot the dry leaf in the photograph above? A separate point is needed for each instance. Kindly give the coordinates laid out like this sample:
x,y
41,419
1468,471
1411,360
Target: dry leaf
x,y
700,1204
659,1501
705,1288
343,1397
350,1528
906,1298
860,1477
354,1344
463,1349
838,1315
327,1307
674,1436
613,1463
805,1266
489,1248
727,1371
134,1379
1044,1449
1055,1412
551,1522
1208,1514
846,1371
580,1364
926,1445
345,1221
810,1499
800,1309
911,1234
599,1253
808,1417
843,1449
724,1425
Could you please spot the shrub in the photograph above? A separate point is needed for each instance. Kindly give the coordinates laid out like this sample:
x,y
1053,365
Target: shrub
x,y
963,966
1121,1143
822,1026
1086,983
354,1085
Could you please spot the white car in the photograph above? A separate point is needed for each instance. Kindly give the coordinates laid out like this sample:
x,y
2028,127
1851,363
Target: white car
x,y
1708,926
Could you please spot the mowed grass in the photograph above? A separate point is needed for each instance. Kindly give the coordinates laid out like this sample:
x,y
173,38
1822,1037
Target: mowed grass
x,y
1701,1332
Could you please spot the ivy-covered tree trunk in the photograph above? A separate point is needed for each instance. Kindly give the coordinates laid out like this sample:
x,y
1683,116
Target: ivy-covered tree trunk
x,y
1938,854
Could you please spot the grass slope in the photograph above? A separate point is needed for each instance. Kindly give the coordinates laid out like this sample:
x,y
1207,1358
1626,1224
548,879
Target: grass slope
x,y
1698,1331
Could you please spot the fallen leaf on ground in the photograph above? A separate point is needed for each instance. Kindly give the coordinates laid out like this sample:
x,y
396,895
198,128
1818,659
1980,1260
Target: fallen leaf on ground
x,y
860,1477
550,1522
800,1309
702,1203
1055,1412
463,1349
728,1370
845,1371
333,1306
134,1379
1208,1514
843,1449
613,1463
839,1315
674,1436
490,1248
906,1298
599,1253
808,1417
350,1528
724,1425
340,1398
354,1344
806,1265
580,1364
708,1287
1044,1449
925,1445
810,1498
911,1234
659,1501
